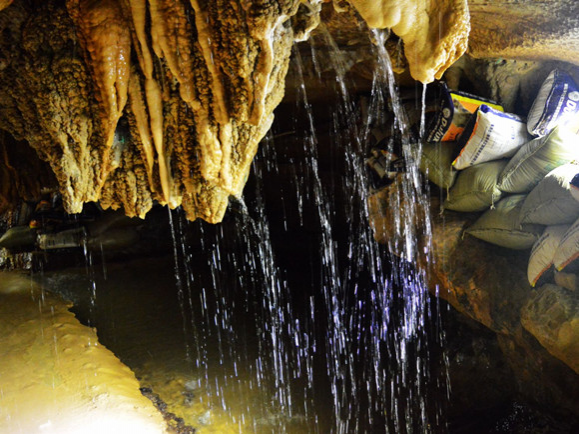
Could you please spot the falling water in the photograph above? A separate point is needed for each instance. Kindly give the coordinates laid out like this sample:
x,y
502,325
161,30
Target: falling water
x,y
369,318
347,344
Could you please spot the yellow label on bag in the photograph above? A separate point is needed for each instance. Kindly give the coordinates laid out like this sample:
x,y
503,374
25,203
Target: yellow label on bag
x,y
464,107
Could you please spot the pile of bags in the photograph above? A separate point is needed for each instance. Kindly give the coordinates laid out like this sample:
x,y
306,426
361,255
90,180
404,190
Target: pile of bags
x,y
524,175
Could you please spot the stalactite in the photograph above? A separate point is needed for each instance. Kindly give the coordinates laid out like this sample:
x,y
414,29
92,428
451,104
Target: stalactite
x,y
194,81
47,98
435,32
103,33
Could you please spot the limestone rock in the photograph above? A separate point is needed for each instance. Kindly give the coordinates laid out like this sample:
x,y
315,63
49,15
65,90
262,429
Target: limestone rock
x,y
539,376
568,281
525,29
486,282
552,316
435,33
138,101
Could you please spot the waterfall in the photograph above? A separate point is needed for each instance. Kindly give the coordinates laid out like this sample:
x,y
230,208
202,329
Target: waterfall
x,y
367,321
289,317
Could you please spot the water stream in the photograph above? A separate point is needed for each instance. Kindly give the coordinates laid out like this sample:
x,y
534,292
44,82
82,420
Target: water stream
x,y
289,317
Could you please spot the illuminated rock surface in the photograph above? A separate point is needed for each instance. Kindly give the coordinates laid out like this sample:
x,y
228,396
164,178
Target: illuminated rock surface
x,y
435,33
552,316
139,101
196,85
525,29
56,377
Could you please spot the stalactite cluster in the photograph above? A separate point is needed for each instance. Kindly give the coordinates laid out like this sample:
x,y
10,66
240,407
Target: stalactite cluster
x,y
137,101
133,102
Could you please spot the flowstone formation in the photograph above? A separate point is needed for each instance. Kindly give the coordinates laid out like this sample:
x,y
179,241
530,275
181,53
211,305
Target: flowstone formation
x,y
134,102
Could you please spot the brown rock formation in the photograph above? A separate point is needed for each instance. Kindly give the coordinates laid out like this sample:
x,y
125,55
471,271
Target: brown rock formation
x,y
5,3
435,33
552,316
545,30
195,83
136,101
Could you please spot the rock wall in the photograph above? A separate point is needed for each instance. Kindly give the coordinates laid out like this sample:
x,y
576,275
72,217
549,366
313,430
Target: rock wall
x,y
538,330
22,174
537,30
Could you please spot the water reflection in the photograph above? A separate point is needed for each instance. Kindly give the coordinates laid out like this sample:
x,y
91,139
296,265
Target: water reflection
x,y
137,317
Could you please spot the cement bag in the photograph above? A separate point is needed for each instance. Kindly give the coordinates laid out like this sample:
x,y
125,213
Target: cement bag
x,y
436,163
537,158
556,104
454,110
475,188
500,225
490,135
551,202
543,252
568,250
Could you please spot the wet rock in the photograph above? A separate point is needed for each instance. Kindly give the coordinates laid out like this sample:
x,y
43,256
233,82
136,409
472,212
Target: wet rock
x,y
486,282
524,29
566,280
195,83
552,316
435,33
536,330
542,379
175,425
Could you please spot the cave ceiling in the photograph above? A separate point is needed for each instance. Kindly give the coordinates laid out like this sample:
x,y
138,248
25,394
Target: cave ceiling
x,y
136,102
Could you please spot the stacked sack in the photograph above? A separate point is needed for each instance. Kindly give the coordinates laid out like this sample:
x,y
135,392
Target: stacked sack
x,y
524,175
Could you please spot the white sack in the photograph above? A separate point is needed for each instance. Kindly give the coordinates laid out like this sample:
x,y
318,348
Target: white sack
x,y
490,135
543,252
537,158
556,104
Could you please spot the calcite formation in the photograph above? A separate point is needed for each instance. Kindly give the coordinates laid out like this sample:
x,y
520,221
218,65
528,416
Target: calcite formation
x,y
133,102
136,101
435,32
